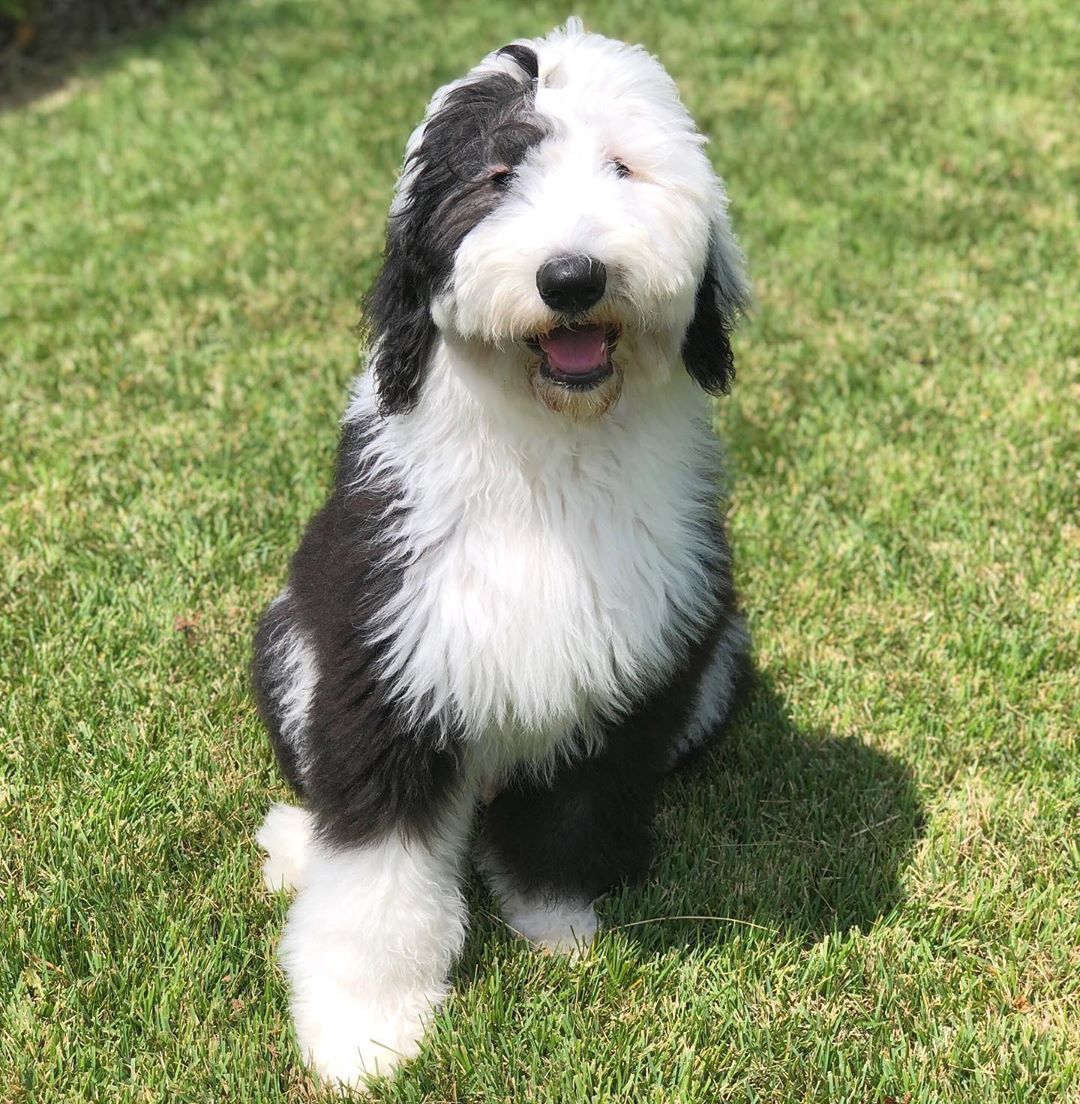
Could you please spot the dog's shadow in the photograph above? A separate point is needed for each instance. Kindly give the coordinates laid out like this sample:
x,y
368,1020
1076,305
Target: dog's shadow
x,y
802,833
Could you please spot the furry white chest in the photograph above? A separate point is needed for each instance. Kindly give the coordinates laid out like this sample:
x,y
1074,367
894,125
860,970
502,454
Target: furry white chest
x,y
551,567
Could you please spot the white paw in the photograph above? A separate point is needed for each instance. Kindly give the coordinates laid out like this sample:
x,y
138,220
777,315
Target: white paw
x,y
286,836
348,1041
558,927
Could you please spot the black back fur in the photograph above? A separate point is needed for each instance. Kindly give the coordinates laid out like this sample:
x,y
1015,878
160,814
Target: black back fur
x,y
375,768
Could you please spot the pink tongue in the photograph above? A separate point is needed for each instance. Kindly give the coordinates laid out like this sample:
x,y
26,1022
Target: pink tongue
x,y
576,351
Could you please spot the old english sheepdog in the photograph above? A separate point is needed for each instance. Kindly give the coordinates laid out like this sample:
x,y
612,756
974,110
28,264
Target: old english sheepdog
x,y
516,607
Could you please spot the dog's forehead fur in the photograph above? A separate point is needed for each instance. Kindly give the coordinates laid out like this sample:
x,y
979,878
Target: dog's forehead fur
x,y
546,91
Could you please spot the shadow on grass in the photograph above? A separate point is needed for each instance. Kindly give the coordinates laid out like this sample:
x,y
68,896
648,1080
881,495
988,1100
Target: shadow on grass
x,y
41,53
799,833
802,833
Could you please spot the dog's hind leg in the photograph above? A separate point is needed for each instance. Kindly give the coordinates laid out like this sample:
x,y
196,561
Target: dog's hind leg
x,y
725,676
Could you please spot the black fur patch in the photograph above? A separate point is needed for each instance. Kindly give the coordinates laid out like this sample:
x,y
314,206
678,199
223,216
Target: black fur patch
x,y
484,123
525,57
273,623
369,769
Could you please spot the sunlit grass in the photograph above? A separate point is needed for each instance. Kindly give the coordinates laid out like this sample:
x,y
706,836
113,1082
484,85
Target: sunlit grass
x,y
888,847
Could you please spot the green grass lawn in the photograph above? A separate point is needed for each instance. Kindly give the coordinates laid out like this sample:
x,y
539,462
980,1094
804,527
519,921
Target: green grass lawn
x,y
883,864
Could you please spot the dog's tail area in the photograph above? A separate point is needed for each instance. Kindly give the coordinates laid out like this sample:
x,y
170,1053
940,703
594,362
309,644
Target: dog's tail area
x,y
287,836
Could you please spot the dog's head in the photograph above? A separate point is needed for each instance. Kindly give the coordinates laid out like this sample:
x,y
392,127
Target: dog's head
x,y
557,215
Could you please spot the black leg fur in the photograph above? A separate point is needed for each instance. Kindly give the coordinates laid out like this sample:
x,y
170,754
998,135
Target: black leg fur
x,y
576,838
274,622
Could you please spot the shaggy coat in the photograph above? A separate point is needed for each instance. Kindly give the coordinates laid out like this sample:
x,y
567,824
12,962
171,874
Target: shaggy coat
x,y
517,601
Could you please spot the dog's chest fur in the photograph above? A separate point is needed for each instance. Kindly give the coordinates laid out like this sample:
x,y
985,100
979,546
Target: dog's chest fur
x,y
553,571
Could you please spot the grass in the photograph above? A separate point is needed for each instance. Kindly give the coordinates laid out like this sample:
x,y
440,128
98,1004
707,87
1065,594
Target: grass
x,y
885,859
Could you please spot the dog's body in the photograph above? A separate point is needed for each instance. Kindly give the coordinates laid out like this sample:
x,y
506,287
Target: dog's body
x,y
520,589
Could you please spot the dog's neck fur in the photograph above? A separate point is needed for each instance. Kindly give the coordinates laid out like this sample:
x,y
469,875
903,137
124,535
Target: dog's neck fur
x,y
544,556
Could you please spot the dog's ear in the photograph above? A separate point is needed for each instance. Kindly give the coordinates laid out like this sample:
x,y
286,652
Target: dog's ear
x,y
722,296
402,330
441,195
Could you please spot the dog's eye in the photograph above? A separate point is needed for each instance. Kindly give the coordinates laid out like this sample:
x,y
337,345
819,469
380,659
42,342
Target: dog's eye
x,y
622,169
500,175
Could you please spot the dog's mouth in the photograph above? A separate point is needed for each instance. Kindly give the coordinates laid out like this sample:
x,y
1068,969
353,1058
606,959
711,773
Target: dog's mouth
x,y
577,357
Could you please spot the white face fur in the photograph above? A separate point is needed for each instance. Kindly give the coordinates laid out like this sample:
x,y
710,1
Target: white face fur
x,y
603,162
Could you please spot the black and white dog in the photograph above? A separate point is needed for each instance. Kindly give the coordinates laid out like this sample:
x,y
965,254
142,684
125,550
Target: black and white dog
x,y
518,596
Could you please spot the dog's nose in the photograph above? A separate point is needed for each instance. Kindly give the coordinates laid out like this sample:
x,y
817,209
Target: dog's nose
x,y
571,284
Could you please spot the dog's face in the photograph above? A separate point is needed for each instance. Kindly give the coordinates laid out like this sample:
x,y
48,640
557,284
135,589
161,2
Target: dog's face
x,y
557,215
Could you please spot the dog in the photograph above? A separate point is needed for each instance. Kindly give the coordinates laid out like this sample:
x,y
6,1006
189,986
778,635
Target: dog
x,y
516,606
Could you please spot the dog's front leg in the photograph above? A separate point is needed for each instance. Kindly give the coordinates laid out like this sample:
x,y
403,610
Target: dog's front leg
x,y
369,943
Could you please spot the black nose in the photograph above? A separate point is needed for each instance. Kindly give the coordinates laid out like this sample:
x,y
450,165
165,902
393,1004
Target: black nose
x,y
571,284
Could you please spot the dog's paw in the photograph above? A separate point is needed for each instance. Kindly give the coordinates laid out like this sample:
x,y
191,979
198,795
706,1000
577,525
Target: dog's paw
x,y
285,836
556,927
348,1042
